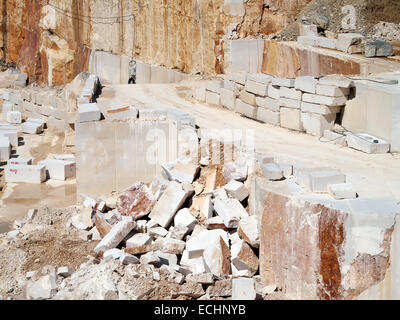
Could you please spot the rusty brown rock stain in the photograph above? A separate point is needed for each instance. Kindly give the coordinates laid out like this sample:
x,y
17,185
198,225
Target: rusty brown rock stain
x,y
368,270
331,238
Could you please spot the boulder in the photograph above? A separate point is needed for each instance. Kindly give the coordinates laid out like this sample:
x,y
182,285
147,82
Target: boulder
x,y
137,201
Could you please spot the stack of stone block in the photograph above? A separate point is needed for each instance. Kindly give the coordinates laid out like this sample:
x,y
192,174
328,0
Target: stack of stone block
x,y
13,78
346,42
46,105
303,104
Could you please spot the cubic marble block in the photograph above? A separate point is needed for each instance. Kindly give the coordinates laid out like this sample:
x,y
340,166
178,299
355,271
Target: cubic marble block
x,y
375,111
88,112
329,249
246,109
107,152
228,99
268,103
316,124
59,169
5,148
291,119
25,173
213,98
257,88
248,98
268,116
367,143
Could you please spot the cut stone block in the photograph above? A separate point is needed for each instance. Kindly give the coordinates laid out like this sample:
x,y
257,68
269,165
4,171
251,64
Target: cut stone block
x,y
328,101
25,173
229,85
185,218
32,127
272,171
256,88
122,113
283,82
331,91
11,134
316,124
214,86
302,174
248,230
245,109
274,92
289,103
231,211
5,148
290,93
200,94
342,191
7,107
116,235
243,289
14,117
21,161
268,103
136,202
168,205
248,98
88,112
319,108
306,84
337,81
335,137
228,99
317,41
291,119
367,143
268,116
244,258
237,190
59,169
213,98
237,77
260,78
321,179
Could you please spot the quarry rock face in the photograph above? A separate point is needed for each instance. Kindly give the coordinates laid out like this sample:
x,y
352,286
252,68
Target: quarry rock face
x,y
314,251
52,46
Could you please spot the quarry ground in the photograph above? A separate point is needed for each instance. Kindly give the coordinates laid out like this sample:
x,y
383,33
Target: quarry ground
x,y
373,175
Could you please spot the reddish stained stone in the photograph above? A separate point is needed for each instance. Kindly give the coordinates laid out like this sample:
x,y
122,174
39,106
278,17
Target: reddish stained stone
x,y
137,201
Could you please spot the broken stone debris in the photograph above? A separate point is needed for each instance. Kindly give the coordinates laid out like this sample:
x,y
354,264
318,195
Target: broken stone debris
x,y
115,236
137,201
